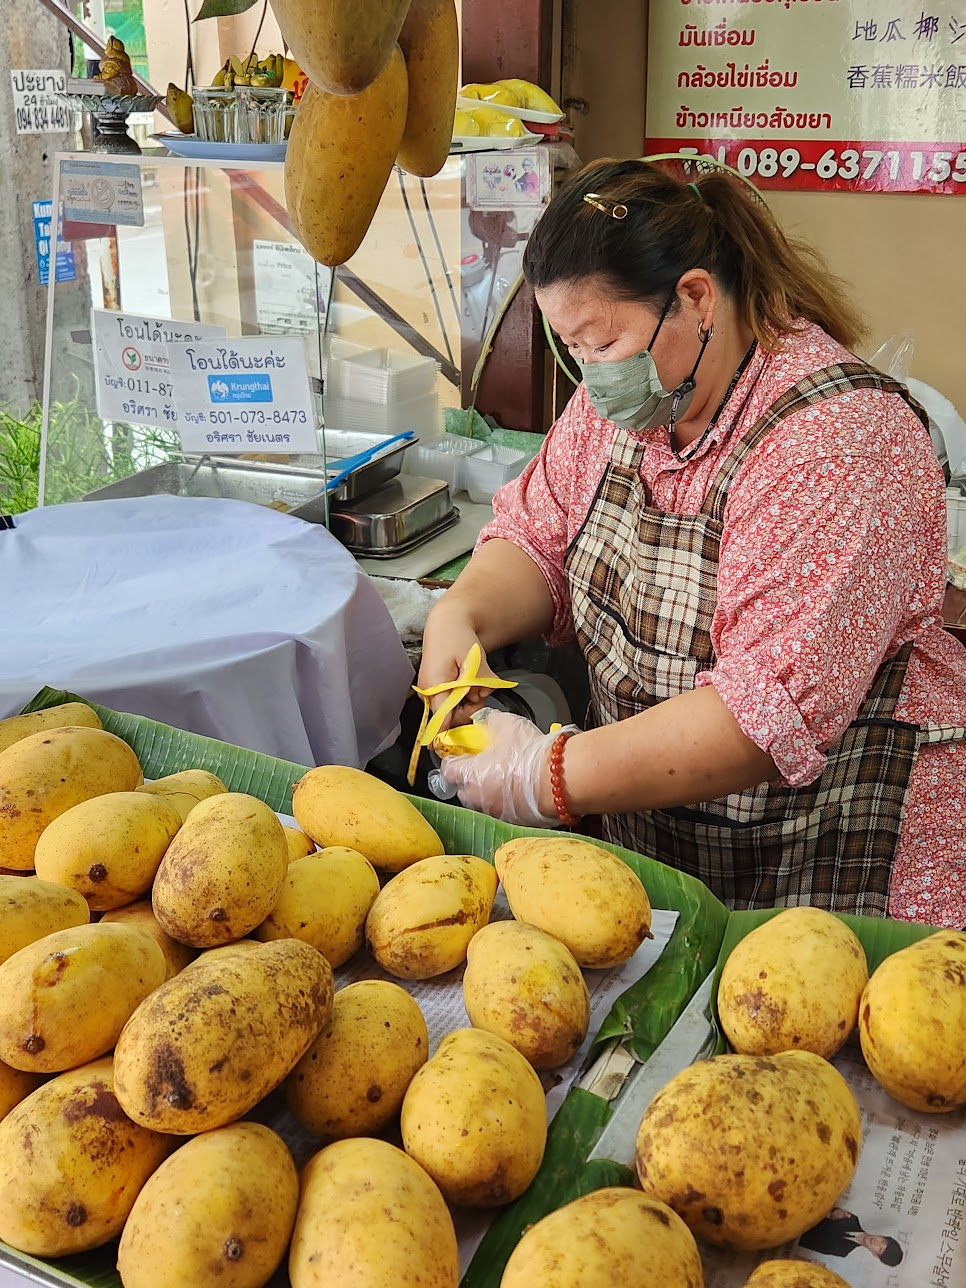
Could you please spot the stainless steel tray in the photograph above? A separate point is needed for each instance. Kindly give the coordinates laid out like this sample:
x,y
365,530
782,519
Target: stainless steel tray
x,y
396,552
393,517
298,492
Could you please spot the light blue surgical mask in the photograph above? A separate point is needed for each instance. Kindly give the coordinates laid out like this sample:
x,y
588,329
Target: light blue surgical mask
x,y
629,391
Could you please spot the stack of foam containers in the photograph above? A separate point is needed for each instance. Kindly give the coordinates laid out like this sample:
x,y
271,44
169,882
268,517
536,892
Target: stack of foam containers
x,y
380,391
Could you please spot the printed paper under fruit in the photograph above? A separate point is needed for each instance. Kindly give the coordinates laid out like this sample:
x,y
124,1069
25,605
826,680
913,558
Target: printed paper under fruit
x,y
909,1188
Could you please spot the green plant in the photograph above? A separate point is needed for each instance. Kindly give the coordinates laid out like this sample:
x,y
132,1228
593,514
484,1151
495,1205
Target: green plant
x,y
83,453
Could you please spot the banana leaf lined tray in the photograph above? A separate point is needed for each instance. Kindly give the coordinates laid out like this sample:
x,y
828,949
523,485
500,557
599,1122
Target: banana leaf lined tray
x,y
641,1017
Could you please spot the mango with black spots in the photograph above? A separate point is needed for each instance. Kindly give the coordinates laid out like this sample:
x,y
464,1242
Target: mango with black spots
x,y
750,1151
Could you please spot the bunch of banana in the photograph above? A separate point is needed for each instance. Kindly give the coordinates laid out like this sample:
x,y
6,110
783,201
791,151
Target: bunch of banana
x,y
115,69
182,108
265,74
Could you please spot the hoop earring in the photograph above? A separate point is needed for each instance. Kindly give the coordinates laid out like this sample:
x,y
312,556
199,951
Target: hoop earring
x,y
705,336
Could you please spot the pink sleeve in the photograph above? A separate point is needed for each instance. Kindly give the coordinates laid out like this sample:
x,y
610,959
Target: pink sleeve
x,y
826,562
533,511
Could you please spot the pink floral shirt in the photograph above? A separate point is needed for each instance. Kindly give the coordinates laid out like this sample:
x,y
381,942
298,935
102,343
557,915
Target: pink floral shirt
x,y
833,554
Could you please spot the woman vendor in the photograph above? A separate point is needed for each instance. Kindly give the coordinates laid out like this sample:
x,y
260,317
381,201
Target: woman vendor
x,y
744,526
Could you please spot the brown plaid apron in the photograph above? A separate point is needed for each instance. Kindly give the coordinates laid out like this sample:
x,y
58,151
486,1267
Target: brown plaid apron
x,y
643,589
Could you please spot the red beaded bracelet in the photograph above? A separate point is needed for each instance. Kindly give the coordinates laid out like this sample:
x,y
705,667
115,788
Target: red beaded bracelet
x,y
556,780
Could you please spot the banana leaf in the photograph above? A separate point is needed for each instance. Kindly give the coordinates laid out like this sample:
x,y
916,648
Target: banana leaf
x,y
641,1017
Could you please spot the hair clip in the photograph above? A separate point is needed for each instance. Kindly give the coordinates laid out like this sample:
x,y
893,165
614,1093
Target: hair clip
x,y
616,210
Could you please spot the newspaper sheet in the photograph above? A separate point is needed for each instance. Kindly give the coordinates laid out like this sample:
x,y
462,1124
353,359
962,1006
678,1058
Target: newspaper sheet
x,y
902,1221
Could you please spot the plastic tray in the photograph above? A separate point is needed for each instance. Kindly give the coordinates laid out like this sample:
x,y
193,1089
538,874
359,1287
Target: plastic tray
x,y
486,472
385,375
445,459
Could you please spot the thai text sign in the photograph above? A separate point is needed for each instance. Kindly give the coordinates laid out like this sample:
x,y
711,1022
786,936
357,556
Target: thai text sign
x,y
131,370
36,105
854,95
243,395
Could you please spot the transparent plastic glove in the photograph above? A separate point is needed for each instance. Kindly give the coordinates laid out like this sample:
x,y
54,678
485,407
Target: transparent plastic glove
x,y
504,779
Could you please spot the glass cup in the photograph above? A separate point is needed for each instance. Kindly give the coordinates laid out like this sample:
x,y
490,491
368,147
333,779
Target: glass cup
x,y
261,114
216,114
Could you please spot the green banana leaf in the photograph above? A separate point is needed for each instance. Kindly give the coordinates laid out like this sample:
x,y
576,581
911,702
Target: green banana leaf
x,y
641,1017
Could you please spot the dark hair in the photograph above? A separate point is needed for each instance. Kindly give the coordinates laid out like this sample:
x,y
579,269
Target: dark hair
x,y
891,1254
717,223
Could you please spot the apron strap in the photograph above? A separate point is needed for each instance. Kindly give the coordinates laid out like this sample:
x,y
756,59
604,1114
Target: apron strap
x,y
842,378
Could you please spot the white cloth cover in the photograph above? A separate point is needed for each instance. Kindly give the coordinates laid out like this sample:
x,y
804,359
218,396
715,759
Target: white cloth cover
x,y
217,616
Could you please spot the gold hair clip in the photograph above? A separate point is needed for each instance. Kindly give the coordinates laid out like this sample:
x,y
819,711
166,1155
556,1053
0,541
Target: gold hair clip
x,y
616,210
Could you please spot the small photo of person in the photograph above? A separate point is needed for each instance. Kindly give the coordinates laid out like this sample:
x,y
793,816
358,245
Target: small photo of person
x,y
841,1232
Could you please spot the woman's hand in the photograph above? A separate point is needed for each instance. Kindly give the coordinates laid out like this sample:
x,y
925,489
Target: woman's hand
x,y
447,640
510,779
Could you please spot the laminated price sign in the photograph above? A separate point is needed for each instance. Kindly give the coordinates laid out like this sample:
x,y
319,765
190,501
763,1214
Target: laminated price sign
x,y
827,95
133,380
244,394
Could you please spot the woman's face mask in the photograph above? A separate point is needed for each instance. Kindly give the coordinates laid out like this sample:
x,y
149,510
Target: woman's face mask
x,y
629,391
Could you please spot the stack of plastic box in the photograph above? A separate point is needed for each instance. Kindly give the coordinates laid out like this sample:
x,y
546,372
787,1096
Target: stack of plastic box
x,y
380,391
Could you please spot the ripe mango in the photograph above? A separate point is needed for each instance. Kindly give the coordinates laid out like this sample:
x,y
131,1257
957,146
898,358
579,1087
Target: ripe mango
x,y
13,728
610,1236
336,805
206,1046
785,1132
72,1164
422,921
324,900
108,848
475,1118
370,1216
223,872
912,1019
429,41
352,1079
525,986
794,1274
793,983
185,789
65,998
44,774
219,1211
31,909
141,916
340,45
340,155
578,892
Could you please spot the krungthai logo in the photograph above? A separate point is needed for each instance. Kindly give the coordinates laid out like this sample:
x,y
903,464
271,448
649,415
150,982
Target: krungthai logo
x,y
227,388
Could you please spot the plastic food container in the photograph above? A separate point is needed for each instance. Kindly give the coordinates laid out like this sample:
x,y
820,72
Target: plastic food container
x,y
421,415
485,472
444,459
386,375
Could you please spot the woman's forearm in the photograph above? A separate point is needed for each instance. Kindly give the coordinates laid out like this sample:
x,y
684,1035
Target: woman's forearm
x,y
501,595
680,752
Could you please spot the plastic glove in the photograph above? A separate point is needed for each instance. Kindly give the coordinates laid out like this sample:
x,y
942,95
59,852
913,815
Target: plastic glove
x,y
504,780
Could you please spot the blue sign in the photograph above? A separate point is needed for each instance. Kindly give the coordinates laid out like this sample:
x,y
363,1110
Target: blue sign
x,y
64,268
227,388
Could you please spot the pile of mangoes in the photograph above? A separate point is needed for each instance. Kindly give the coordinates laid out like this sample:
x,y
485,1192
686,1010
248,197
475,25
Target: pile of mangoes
x,y
166,963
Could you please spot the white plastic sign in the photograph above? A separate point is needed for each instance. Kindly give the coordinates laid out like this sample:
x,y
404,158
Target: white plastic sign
x,y
244,394
36,106
133,379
